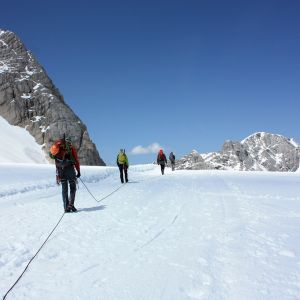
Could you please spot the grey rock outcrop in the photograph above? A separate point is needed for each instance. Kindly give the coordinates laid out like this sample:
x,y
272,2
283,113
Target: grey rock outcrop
x,y
271,152
192,161
258,152
29,99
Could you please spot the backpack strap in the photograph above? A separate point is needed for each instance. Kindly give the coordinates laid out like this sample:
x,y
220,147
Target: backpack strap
x,y
69,151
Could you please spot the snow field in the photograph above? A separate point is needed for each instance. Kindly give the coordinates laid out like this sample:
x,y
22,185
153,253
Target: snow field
x,y
185,235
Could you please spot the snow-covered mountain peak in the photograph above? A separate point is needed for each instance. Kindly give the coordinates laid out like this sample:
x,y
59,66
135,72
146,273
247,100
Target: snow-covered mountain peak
x,y
253,136
261,136
194,152
294,143
270,141
260,151
2,32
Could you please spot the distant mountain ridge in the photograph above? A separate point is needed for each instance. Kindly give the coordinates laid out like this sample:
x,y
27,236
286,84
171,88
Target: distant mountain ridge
x,y
29,99
260,151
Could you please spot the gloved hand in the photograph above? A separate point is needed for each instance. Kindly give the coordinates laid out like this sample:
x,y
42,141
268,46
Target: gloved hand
x,y
57,180
78,174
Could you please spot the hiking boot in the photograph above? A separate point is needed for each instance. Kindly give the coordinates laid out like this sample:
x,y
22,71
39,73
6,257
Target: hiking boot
x,y
72,208
67,210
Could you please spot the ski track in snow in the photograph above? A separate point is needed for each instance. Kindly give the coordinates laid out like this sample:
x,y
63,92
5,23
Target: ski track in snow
x,y
185,235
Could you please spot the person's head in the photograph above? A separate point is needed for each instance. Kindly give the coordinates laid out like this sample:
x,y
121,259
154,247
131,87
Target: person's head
x,y
122,151
68,140
63,137
161,151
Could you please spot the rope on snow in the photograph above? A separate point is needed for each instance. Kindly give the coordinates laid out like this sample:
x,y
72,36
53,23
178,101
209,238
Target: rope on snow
x,y
103,197
30,261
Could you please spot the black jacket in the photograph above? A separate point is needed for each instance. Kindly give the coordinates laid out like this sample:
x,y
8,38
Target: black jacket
x,y
161,159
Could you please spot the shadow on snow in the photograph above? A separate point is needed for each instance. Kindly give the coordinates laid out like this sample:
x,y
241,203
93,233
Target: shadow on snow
x,y
95,208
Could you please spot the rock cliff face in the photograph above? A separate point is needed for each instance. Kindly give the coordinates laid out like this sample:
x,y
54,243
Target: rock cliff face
x,y
258,152
29,99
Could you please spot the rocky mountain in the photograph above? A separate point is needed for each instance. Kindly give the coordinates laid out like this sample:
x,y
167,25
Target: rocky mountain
x,y
29,99
192,161
259,152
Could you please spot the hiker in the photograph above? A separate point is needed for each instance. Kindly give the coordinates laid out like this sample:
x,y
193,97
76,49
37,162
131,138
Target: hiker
x,y
172,160
122,162
66,161
161,160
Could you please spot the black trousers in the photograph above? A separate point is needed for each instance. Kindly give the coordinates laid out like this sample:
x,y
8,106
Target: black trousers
x,y
162,168
123,169
65,192
68,178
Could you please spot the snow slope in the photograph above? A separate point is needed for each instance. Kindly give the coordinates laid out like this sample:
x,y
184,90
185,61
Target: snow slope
x,y
185,235
18,146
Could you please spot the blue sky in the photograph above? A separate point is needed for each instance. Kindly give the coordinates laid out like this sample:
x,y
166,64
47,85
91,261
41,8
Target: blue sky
x,y
183,74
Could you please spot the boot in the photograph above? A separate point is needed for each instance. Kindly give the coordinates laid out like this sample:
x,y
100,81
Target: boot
x,y
72,208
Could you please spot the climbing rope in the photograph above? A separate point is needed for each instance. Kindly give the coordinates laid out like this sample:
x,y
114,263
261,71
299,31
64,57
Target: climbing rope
x,y
103,197
30,261
33,257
